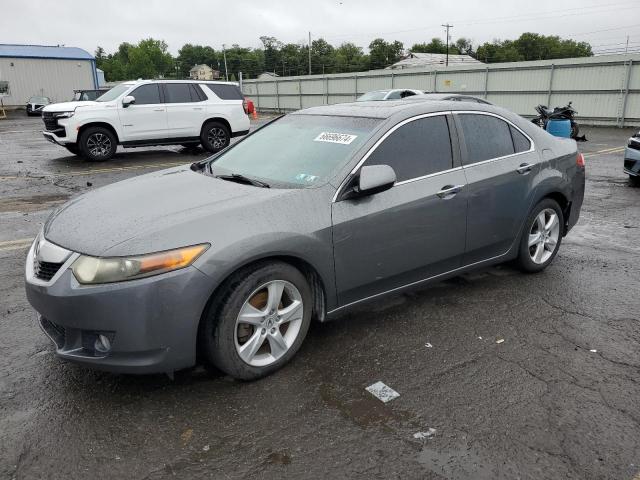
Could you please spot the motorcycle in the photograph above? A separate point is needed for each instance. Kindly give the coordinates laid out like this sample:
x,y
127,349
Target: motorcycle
x,y
558,113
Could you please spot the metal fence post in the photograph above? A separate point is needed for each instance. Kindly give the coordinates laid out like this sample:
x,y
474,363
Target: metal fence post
x,y
277,95
326,91
486,81
300,92
435,81
550,90
258,95
392,77
626,93
355,94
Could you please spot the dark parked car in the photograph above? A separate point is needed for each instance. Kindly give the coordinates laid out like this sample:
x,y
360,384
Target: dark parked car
x,y
229,260
87,95
632,160
35,105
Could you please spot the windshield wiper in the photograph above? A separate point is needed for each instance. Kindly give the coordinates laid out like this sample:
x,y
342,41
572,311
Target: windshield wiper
x,y
238,177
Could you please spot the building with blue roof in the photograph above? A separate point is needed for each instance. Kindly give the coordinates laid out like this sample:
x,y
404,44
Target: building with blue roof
x,y
42,70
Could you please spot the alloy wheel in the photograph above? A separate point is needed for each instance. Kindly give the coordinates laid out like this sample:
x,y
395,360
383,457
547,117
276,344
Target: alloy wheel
x,y
217,137
99,145
543,236
268,323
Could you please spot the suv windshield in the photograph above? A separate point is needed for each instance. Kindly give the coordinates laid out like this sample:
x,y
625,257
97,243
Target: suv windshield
x,y
114,93
377,95
296,150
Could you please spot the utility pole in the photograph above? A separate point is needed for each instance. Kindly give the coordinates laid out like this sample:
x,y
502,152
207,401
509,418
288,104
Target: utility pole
x,y
626,48
283,67
309,53
447,26
224,54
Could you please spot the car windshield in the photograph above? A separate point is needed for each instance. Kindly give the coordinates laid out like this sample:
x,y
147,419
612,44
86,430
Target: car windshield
x,y
114,93
369,96
296,151
38,100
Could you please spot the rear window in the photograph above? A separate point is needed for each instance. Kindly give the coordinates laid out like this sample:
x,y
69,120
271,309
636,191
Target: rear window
x,y
485,137
225,92
520,142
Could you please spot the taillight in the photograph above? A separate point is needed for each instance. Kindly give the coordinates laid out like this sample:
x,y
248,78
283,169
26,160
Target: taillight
x,y
580,160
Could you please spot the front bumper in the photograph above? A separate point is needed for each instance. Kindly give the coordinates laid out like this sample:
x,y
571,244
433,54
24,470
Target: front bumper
x,y
151,323
632,159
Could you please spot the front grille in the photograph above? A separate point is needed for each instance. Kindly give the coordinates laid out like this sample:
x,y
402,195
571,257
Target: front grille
x,y
50,123
45,270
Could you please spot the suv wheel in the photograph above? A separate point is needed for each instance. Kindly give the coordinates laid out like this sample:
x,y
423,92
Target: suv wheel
x,y
98,144
215,136
541,237
258,321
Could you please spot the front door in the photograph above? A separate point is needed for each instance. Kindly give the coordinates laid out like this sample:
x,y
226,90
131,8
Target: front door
x,y
415,230
146,119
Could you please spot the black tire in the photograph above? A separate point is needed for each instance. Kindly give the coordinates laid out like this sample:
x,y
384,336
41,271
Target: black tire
x,y
215,136
575,130
217,334
634,181
524,260
98,144
73,148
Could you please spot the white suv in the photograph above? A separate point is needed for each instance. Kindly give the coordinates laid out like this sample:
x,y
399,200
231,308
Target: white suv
x,y
149,112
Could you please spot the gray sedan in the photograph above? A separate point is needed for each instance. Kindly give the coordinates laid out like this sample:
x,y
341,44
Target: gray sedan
x,y
230,259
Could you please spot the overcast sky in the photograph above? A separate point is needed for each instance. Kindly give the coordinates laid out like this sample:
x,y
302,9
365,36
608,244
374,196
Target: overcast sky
x,y
107,23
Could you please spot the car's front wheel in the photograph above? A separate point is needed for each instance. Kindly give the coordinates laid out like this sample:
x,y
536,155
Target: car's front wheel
x,y
258,320
215,136
98,144
542,236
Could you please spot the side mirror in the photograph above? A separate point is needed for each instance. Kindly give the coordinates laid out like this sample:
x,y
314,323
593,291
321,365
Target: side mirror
x,y
128,100
375,179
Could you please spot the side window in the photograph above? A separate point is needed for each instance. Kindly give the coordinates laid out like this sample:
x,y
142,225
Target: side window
x,y
486,137
225,91
178,92
197,95
147,94
395,95
407,93
520,142
419,148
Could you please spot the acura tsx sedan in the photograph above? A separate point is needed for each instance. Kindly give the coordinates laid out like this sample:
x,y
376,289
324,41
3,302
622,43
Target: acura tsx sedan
x,y
227,261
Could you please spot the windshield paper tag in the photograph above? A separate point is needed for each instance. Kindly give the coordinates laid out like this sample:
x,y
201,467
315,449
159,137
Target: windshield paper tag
x,y
343,138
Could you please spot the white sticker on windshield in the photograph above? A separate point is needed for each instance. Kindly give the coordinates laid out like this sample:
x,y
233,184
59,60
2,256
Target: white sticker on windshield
x,y
331,137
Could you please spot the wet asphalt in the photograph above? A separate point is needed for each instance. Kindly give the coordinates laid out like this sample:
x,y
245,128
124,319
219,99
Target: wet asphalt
x,y
558,398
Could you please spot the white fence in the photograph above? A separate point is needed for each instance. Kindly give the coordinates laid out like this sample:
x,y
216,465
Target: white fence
x,y
605,90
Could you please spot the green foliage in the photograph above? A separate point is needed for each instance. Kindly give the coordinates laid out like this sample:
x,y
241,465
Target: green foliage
x,y
150,58
532,46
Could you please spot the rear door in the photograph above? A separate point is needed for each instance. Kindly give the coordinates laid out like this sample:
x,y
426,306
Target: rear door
x,y
146,119
500,164
186,109
411,232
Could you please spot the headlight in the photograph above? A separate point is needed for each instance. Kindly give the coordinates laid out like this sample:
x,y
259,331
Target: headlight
x,y
63,114
91,270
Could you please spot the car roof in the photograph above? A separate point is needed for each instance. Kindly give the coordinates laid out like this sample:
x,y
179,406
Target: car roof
x,y
442,96
383,110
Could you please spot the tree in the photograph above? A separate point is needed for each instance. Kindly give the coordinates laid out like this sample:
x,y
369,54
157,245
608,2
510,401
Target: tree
x,y
272,47
383,54
350,58
464,46
100,55
532,46
322,57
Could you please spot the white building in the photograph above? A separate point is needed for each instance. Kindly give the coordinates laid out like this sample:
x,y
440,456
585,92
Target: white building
x,y
48,71
430,59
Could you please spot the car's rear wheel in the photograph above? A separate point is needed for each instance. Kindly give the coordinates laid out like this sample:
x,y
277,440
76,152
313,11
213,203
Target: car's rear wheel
x,y
258,320
98,144
215,136
541,237
73,148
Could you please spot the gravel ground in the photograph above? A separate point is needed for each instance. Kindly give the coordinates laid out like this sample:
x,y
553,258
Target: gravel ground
x,y
558,398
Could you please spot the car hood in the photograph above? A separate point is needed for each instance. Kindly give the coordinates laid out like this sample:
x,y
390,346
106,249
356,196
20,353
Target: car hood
x,y
68,106
154,212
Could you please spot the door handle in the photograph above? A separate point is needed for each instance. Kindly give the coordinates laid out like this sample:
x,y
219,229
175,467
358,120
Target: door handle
x,y
524,168
449,191
197,108
158,109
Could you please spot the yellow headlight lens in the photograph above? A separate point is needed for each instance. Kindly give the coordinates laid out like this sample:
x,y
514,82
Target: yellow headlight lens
x,y
92,270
